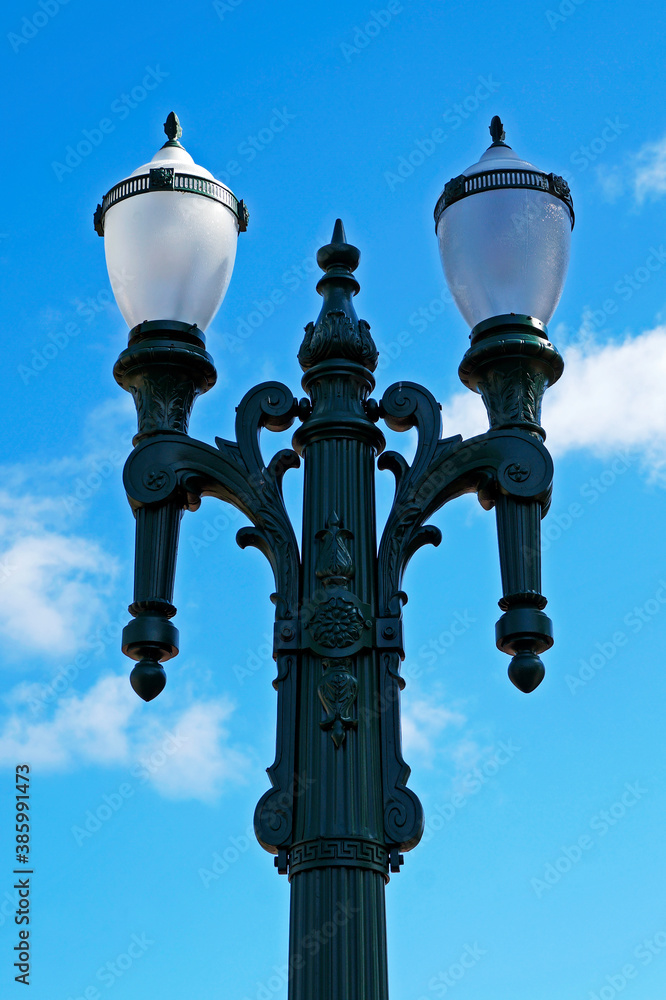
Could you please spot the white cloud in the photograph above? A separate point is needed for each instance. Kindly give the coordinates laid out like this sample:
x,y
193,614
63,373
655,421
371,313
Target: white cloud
x,y
435,734
204,762
52,586
423,722
650,171
611,398
91,727
183,755
54,583
642,174
611,182
467,754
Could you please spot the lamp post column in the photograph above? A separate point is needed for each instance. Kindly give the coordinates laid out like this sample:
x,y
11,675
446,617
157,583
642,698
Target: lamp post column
x,y
338,860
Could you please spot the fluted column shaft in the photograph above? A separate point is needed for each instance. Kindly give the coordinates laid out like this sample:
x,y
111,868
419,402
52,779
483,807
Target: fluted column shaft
x,y
338,861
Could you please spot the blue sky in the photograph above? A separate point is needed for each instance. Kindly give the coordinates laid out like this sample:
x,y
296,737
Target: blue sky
x,y
543,855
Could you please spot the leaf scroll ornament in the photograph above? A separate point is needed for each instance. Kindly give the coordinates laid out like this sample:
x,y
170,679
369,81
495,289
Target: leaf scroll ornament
x,y
513,397
337,691
337,335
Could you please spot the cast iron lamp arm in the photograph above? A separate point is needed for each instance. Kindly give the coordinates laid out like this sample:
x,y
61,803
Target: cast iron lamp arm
x,y
509,468
169,472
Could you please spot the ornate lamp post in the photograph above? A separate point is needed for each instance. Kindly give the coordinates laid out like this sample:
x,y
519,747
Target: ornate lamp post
x,y
338,815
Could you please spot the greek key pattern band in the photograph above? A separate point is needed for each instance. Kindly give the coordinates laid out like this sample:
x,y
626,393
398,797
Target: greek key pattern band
x,y
338,852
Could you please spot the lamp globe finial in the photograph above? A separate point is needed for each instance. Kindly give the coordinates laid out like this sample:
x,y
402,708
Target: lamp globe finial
x,y
172,129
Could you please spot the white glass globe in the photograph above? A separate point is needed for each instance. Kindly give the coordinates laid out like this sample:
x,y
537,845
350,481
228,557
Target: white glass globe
x,y
170,254
507,250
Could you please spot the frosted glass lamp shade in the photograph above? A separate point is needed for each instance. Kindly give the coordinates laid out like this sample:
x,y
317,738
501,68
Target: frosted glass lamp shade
x,y
504,231
170,232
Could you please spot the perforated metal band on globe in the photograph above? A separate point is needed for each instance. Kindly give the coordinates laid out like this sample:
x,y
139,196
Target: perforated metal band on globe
x,y
494,180
167,179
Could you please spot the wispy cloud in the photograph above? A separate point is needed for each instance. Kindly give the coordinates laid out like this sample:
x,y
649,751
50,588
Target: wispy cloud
x,y
650,171
52,590
610,399
184,755
205,763
55,584
423,722
642,174
107,429
437,734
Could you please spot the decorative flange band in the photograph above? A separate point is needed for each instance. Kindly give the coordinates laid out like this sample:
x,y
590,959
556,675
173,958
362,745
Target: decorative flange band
x,y
168,179
493,180
338,852
387,632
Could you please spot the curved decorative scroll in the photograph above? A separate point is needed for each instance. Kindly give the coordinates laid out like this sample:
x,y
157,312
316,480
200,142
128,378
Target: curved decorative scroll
x,y
515,461
173,466
403,812
405,405
273,816
233,472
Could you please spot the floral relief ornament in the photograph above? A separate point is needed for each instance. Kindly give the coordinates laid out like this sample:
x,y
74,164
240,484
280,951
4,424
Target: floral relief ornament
x,y
337,624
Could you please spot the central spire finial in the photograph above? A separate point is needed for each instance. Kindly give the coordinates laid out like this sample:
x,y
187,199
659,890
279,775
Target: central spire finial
x,y
338,254
338,332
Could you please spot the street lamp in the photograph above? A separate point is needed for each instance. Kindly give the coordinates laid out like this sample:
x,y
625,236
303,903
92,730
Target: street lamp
x,y
338,815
